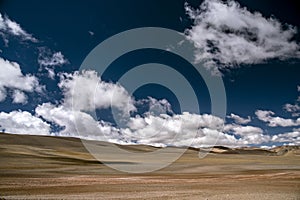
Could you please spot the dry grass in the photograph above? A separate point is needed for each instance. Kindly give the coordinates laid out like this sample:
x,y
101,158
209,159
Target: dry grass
x,y
35,167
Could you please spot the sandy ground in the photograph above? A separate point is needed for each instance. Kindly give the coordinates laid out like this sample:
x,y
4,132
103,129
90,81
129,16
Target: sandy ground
x,y
33,167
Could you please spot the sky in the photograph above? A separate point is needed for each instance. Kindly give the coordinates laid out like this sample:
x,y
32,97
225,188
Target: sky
x,y
251,46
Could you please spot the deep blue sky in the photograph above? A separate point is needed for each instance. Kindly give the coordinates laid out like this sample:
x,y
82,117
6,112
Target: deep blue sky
x,y
64,26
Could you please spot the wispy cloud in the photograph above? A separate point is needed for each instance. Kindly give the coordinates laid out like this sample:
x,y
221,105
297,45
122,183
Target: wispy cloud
x,y
9,27
49,60
238,119
294,109
274,121
227,35
91,33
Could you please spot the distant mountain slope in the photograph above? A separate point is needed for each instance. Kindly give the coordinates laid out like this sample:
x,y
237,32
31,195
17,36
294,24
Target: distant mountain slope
x,y
74,144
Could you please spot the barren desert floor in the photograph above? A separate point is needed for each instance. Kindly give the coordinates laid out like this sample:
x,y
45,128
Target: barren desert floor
x,y
39,167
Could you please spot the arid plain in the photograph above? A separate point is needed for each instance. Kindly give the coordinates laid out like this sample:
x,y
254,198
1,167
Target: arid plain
x,y
40,167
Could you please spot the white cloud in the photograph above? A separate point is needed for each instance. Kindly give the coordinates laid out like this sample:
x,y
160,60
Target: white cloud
x,y
22,122
293,108
151,128
172,130
13,79
51,72
86,92
267,116
9,27
157,129
156,107
177,130
243,130
248,134
48,58
290,137
83,92
239,120
198,130
159,106
227,35
79,124
163,130
19,97
209,135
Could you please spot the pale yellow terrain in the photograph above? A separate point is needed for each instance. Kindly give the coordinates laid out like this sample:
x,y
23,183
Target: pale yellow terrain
x,y
39,167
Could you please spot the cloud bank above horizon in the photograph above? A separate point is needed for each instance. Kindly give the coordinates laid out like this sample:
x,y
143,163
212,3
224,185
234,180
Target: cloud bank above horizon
x,y
158,129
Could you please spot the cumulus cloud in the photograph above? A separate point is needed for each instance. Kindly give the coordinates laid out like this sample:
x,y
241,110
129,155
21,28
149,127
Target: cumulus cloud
x,y
158,126
159,106
291,138
86,92
163,130
239,120
178,130
243,130
248,134
155,106
23,122
227,35
223,139
12,78
268,116
154,127
184,129
72,122
9,27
